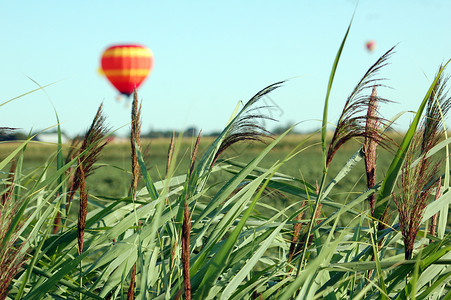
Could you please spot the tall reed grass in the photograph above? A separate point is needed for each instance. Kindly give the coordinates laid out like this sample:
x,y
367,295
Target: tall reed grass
x,y
191,236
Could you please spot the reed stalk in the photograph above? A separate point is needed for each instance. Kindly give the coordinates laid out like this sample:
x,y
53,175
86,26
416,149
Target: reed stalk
x,y
135,143
83,209
186,230
433,225
296,232
370,146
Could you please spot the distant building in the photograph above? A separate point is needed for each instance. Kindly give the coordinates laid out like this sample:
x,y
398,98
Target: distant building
x,y
51,138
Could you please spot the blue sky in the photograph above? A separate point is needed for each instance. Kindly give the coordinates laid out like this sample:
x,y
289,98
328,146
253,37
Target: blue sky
x,y
209,55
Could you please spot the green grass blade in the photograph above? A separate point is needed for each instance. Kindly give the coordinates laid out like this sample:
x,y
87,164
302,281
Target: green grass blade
x,y
432,254
8,159
63,240
59,165
422,266
64,282
380,275
308,275
235,181
117,268
221,196
32,91
362,266
59,154
147,179
215,266
38,292
441,203
35,235
225,222
350,164
326,101
240,276
440,281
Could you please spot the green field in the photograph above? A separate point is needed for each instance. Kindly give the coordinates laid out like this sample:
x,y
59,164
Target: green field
x,y
108,180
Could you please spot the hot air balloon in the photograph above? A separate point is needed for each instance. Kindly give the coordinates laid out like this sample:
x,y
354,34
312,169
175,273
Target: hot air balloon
x,y
371,45
126,66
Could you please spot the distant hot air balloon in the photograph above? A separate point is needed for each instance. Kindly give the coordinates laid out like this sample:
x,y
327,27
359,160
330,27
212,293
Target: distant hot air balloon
x,y
126,66
371,45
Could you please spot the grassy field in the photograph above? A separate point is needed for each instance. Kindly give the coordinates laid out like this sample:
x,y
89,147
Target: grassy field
x,y
108,179
113,177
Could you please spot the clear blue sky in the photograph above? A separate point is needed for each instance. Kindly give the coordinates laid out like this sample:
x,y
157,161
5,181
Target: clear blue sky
x,y
209,55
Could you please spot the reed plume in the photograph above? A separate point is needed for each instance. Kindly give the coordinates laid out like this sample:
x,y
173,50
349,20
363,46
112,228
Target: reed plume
x,y
170,152
194,153
437,109
416,189
245,127
418,179
89,151
88,154
352,122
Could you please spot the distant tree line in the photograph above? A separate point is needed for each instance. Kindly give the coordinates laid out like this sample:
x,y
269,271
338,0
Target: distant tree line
x,y
12,134
193,131
190,131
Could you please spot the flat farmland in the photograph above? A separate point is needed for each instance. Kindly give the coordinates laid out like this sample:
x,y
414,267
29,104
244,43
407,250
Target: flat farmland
x,y
108,179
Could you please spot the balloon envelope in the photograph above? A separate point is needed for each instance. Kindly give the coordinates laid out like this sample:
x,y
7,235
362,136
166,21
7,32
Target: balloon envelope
x,y
127,66
371,45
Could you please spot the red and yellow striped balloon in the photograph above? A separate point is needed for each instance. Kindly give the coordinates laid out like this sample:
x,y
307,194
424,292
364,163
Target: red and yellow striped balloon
x,y
127,66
